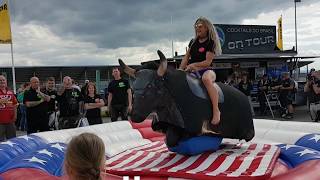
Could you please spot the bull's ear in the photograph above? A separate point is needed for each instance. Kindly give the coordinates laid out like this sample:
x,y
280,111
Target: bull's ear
x,y
128,70
163,64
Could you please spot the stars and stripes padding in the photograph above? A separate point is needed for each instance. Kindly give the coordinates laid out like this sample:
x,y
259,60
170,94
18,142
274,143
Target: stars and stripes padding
x,y
310,141
294,155
247,161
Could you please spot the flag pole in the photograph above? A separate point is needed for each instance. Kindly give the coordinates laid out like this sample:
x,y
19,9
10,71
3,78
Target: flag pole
x,y
172,38
12,60
13,70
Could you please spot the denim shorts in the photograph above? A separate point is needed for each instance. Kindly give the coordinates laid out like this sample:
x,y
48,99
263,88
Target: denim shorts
x,y
199,74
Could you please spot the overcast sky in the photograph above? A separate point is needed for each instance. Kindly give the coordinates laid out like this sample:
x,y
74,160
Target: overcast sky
x,y
98,32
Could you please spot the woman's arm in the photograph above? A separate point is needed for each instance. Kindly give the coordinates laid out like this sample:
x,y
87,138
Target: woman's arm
x,y
185,60
94,105
88,106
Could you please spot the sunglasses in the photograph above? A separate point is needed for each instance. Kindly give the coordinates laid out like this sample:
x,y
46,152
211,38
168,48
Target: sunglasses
x,y
199,25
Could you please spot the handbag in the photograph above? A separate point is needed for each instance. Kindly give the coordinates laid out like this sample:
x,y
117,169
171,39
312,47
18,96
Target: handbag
x,y
83,121
53,120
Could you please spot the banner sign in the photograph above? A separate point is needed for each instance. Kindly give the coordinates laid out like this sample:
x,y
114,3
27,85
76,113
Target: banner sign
x,y
221,65
280,39
276,64
249,64
246,39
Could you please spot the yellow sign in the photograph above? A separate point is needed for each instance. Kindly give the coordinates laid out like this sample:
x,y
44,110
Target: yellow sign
x,y
280,40
5,30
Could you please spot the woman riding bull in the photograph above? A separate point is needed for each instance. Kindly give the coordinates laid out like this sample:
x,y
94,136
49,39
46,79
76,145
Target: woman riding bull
x,y
198,59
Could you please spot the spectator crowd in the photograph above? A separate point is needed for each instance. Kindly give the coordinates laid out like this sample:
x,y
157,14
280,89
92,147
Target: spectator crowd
x,y
35,108
281,89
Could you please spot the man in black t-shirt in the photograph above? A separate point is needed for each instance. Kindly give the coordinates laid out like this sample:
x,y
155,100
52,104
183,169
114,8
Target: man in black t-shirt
x,y
312,88
34,100
310,75
84,88
70,102
263,86
286,94
51,91
274,82
245,87
119,97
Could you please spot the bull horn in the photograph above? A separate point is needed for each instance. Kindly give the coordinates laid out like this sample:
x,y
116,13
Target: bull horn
x,y
128,70
163,64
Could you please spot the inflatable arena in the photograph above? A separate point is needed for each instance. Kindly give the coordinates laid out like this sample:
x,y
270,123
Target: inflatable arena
x,y
280,150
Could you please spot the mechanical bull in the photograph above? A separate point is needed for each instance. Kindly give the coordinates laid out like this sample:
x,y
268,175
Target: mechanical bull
x,y
183,106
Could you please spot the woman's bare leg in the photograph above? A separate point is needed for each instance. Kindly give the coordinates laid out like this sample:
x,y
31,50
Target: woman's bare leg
x,y
208,78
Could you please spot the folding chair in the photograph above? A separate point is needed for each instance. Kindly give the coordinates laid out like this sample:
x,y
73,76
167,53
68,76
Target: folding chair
x,y
267,96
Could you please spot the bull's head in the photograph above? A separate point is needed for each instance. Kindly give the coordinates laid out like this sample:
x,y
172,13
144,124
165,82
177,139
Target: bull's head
x,y
147,89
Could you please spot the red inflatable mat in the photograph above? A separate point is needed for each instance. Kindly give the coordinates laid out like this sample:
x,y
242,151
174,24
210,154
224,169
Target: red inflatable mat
x,y
242,161
145,123
38,174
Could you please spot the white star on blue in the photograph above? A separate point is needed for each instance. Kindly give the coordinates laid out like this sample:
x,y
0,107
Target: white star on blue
x,y
35,159
288,146
45,151
25,137
316,137
306,151
9,143
58,146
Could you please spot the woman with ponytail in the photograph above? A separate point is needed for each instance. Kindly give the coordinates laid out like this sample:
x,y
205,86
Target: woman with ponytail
x,y
85,157
203,48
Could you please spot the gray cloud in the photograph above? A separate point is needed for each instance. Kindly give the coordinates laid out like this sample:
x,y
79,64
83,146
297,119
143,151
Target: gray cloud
x,y
126,23
98,32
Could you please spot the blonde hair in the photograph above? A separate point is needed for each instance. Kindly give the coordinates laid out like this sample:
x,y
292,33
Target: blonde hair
x,y
212,34
84,157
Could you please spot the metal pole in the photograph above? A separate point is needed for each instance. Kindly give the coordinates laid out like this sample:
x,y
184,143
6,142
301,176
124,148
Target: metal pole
x,y
297,70
295,24
13,71
61,78
98,80
296,37
172,39
12,61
